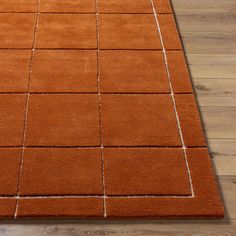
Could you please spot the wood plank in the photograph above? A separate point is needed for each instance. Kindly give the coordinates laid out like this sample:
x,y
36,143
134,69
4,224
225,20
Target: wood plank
x,y
204,5
214,101
211,59
213,71
215,66
211,91
225,165
206,21
216,87
219,122
215,92
222,147
211,43
227,185
223,152
122,228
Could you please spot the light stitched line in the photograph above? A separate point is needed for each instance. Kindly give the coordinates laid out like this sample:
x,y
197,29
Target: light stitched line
x,y
172,96
100,111
81,13
86,49
26,110
109,93
96,196
107,147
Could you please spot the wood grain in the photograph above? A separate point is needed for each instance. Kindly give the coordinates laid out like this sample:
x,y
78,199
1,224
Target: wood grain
x,y
223,152
222,148
214,101
219,122
212,21
211,43
212,228
204,6
215,92
213,71
212,59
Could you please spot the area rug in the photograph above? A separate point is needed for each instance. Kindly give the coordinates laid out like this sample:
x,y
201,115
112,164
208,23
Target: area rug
x,y
98,115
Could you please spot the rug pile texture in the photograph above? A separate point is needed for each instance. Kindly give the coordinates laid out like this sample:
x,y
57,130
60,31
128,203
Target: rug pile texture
x,y
98,116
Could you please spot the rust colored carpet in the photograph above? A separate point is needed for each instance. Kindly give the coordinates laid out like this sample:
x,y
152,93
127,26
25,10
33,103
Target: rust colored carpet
x,y
98,116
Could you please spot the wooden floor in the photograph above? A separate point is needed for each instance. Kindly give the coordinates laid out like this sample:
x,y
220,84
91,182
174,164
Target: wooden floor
x,y
208,32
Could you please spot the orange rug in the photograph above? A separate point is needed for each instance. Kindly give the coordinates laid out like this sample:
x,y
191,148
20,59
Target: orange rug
x,y
98,116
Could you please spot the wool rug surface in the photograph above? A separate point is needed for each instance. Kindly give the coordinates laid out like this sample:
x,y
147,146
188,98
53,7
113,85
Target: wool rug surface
x,y
98,116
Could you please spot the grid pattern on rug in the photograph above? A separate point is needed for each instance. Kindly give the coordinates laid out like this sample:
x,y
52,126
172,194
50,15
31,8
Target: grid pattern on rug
x,y
100,118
